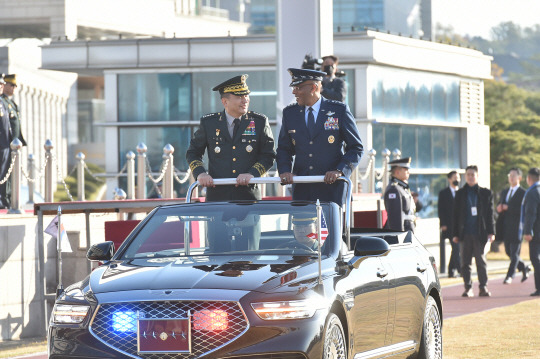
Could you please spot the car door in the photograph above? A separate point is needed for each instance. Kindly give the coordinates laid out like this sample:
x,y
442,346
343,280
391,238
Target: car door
x,y
408,290
369,313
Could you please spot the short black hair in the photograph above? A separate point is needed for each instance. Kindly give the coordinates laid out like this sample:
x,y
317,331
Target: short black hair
x,y
472,167
518,171
534,173
333,57
450,174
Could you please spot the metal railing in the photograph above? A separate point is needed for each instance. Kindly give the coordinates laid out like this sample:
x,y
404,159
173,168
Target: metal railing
x,y
138,171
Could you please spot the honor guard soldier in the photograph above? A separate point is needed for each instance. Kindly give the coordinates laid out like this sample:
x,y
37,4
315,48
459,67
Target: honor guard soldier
x,y
5,141
13,109
239,144
398,199
323,136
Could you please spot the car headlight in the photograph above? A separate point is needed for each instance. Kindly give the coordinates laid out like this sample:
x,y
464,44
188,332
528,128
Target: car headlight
x,y
296,309
70,314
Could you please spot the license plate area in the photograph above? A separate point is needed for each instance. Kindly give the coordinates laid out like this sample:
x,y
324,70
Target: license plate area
x,y
163,336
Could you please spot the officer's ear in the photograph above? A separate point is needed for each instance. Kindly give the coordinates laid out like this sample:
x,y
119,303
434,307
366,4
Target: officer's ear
x,y
225,98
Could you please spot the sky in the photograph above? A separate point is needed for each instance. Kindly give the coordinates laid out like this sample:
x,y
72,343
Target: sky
x,y
477,17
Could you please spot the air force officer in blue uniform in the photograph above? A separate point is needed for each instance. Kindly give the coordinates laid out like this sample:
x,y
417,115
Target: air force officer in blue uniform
x,y
322,137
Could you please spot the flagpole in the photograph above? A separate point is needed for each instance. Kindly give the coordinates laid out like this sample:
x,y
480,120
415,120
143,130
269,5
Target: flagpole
x,y
319,233
60,287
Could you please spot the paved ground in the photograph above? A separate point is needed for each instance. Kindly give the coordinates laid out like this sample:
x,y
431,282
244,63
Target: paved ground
x,y
501,295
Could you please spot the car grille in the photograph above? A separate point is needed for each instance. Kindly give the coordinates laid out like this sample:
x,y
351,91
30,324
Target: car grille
x,y
202,341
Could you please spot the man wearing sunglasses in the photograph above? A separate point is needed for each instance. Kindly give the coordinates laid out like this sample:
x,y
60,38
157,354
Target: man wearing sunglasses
x,y
323,137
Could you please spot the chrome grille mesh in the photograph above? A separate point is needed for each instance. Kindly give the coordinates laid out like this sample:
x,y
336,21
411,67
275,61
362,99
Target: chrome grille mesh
x,y
202,341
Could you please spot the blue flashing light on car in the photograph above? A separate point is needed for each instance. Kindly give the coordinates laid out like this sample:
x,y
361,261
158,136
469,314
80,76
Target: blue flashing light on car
x,y
124,322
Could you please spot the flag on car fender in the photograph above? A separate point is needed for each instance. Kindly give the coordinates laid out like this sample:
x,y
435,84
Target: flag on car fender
x,y
324,230
52,229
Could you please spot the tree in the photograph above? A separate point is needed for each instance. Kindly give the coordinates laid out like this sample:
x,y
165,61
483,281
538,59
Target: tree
x,y
513,117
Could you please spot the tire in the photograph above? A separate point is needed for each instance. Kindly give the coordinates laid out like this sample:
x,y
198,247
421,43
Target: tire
x,y
431,342
335,345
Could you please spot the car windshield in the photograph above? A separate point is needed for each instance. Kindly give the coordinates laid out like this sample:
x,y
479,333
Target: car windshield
x,y
225,228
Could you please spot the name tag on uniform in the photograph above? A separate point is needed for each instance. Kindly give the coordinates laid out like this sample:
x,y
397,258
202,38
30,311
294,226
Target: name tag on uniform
x,y
474,212
292,131
391,195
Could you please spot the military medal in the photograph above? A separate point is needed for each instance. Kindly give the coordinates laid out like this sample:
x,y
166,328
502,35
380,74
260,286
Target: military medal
x,y
217,149
294,142
249,148
217,132
331,139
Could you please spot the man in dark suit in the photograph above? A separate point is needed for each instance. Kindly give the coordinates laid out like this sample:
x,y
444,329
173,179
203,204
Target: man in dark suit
x,y
239,143
507,225
323,136
473,229
446,220
398,200
530,223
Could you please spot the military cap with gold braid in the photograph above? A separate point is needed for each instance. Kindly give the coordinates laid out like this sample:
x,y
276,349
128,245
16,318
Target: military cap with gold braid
x,y
236,86
11,79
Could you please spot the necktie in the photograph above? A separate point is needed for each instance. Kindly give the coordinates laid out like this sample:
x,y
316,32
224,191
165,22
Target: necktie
x,y
510,193
311,122
236,125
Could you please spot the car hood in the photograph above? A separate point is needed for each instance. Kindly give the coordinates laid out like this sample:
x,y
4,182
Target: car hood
x,y
260,273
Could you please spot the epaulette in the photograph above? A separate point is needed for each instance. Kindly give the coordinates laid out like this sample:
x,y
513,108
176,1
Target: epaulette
x,y
211,115
257,115
335,102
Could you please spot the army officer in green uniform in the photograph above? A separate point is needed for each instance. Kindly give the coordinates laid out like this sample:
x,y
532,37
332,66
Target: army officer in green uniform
x,y
12,108
398,199
239,143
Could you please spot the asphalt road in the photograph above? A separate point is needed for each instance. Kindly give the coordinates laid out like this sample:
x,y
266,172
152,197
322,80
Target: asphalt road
x,y
455,305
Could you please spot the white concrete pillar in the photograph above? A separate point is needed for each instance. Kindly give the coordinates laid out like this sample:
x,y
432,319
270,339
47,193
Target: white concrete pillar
x,y
302,27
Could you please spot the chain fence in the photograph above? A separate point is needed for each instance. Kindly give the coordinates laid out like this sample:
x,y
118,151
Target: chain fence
x,y
369,173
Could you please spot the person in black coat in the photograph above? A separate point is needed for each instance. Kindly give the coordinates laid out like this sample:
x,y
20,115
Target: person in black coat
x,y
333,88
473,229
322,137
507,225
530,223
239,144
446,220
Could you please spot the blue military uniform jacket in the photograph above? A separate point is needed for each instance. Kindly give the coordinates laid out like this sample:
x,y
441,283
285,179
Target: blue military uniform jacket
x,y
399,206
336,145
250,151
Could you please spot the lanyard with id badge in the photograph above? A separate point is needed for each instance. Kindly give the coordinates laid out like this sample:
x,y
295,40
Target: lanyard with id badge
x,y
474,210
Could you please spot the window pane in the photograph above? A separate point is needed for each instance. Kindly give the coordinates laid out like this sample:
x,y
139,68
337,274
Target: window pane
x,y
154,97
429,147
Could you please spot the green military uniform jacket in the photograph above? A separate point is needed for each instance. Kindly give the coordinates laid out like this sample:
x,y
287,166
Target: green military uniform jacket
x,y
250,151
14,119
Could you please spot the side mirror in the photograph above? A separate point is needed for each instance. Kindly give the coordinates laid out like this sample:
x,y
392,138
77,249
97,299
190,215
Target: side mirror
x,y
101,252
370,246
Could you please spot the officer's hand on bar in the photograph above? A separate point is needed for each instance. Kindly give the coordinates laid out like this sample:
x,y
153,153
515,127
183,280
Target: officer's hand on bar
x,y
243,179
331,176
286,178
205,180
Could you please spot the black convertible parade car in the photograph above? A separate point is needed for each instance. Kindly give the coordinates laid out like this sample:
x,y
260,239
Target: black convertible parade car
x,y
253,279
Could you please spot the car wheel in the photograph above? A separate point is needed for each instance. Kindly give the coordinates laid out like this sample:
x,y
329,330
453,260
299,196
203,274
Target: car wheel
x,y
431,342
335,346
